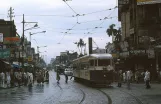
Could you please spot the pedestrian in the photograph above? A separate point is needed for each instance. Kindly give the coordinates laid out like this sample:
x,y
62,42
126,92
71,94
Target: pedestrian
x,y
57,77
119,78
25,78
8,79
47,76
19,78
137,76
124,76
147,79
128,78
66,78
2,79
30,79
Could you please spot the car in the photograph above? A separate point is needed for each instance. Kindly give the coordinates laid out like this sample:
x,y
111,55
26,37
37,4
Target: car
x,y
68,71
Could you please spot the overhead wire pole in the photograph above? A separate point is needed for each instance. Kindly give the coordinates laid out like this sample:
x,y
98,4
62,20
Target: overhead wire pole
x,y
10,14
23,37
23,29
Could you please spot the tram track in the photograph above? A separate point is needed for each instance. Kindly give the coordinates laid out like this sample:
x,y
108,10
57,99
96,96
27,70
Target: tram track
x,y
133,96
108,97
83,98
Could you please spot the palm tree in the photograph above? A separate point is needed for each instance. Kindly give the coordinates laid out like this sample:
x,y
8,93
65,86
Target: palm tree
x,y
118,35
111,31
80,45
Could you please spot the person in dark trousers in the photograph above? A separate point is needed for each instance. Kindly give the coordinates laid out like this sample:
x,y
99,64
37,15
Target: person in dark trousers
x,y
120,78
66,78
57,77
147,79
47,76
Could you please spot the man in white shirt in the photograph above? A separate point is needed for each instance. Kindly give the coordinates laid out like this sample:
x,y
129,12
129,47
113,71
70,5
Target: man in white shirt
x,y
128,78
2,79
147,79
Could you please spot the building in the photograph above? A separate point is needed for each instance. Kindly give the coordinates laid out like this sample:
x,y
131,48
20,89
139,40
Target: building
x,y
141,33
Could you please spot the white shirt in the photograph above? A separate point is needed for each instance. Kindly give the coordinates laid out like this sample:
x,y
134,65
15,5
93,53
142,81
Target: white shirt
x,y
124,75
3,76
147,75
128,75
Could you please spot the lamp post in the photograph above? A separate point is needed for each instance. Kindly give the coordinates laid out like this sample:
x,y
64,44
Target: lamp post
x,y
23,35
36,33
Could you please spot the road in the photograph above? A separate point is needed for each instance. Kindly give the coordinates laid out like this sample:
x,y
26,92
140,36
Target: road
x,y
75,93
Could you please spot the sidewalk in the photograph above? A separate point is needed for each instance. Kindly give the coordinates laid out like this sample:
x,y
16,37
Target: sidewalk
x,y
147,96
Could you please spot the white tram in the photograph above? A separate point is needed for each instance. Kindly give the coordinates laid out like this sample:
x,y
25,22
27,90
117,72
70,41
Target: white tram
x,y
94,69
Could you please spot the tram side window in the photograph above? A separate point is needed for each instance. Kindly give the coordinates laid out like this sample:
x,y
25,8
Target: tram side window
x,y
92,63
103,62
84,66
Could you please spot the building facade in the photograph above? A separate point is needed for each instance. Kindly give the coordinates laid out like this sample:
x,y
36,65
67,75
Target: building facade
x,y
141,34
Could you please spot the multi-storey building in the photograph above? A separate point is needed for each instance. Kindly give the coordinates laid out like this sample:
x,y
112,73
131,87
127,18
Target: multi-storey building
x,y
141,34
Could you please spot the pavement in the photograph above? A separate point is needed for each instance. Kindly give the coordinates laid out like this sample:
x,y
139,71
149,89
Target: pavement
x,y
76,93
138,94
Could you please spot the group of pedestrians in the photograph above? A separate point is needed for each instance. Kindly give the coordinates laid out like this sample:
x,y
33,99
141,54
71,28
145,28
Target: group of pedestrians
x,y
42,76
15,78
128,76
66,77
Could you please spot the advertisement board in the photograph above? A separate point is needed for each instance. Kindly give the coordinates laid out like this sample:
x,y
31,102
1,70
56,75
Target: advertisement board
x,y
5,53
11,40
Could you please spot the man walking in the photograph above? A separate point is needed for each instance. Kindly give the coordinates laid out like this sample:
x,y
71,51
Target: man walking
x,y
57,77
147,79
128,78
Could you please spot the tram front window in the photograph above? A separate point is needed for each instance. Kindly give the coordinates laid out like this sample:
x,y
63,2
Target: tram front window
x,y
103,62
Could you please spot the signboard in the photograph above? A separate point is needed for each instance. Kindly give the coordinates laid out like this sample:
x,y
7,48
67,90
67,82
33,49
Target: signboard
x,y
144,0
11,40
151,53
30,58
5,53
124,54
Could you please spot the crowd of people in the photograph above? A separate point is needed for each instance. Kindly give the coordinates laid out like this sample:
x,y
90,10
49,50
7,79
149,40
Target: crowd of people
x,y
17,78
129,76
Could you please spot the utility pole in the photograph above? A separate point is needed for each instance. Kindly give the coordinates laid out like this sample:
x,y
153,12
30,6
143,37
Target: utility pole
x,y
10,14
23,23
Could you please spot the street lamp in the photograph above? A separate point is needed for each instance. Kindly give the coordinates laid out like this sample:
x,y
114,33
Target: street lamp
x,y
36,33
39,47
34,27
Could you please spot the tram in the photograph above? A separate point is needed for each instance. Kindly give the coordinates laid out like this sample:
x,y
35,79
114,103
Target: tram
x,y
94,69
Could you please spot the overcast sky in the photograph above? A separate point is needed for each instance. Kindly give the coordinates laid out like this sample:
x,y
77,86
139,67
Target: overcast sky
x,y
55,17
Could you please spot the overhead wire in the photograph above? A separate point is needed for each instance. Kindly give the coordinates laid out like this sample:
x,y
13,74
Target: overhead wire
x,y
70,7
67,32
100,11
98,20
100,23
46,15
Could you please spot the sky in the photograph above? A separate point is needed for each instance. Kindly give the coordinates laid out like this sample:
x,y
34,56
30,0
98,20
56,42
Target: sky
x,y
56,18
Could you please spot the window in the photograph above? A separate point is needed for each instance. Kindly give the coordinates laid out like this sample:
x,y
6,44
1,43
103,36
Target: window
x,y
103,62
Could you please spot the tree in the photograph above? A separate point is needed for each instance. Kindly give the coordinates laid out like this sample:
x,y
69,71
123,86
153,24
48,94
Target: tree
x,y
118,35
80,45
111,31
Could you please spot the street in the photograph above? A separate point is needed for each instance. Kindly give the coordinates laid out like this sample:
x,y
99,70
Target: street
x,y
75,93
